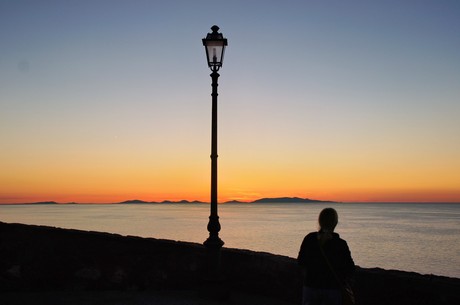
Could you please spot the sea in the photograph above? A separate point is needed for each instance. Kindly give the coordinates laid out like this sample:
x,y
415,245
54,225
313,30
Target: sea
x,y
415,237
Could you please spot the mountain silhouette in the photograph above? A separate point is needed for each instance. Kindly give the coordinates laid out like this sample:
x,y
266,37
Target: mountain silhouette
x,y
287,200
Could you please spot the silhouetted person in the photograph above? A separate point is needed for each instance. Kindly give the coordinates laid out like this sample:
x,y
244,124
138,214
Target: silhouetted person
x,y
319,253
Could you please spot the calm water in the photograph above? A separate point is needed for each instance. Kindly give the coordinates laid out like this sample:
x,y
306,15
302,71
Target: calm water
x,y
424,238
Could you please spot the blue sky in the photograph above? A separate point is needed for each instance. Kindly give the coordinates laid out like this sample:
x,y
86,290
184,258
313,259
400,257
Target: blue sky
x,y
321,98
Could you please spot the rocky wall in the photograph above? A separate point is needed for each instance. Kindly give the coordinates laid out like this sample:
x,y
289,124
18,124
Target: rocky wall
x,y
39,258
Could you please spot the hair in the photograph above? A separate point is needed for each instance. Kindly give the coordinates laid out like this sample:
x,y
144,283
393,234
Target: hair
x,y
328,219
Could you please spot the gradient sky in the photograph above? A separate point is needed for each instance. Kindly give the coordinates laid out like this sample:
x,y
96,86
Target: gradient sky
x,y
102,101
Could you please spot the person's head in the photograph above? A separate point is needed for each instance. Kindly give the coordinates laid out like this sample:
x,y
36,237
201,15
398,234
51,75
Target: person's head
x,y
328,219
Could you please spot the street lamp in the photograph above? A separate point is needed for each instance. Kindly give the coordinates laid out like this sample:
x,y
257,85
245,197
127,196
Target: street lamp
x,y
214,44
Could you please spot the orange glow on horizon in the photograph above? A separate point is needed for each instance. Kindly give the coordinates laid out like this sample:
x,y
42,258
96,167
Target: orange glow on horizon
x,y
158,174
342,196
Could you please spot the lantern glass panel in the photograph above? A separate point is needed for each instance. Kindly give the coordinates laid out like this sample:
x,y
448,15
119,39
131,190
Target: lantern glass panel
x,y
214,50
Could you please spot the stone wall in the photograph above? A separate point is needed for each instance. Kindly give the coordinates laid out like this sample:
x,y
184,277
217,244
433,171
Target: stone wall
x,y
43,258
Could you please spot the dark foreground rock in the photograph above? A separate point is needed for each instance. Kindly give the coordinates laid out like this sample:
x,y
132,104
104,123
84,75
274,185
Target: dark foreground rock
x,y
38,259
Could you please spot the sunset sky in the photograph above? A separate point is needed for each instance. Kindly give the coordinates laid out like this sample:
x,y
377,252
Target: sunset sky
x,y
104,101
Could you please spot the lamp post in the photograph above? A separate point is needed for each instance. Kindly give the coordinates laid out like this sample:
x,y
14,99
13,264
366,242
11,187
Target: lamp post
x,y
214,44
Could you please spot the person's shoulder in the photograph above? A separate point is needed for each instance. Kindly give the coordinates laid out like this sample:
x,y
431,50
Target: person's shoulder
x,y
337,236
339,240
311,236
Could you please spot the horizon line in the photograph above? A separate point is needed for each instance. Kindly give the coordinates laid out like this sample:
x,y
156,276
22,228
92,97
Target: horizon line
x,y
186,201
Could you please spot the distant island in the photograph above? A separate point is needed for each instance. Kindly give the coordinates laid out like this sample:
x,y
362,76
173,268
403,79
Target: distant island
x,y
262,200
137,201
289,200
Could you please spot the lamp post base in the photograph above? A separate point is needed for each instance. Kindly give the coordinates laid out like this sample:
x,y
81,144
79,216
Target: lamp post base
x,y
213,242
213,245
213,273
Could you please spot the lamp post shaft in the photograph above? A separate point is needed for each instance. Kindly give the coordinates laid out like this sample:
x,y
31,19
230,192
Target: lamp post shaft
x,y
214,155
214,226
